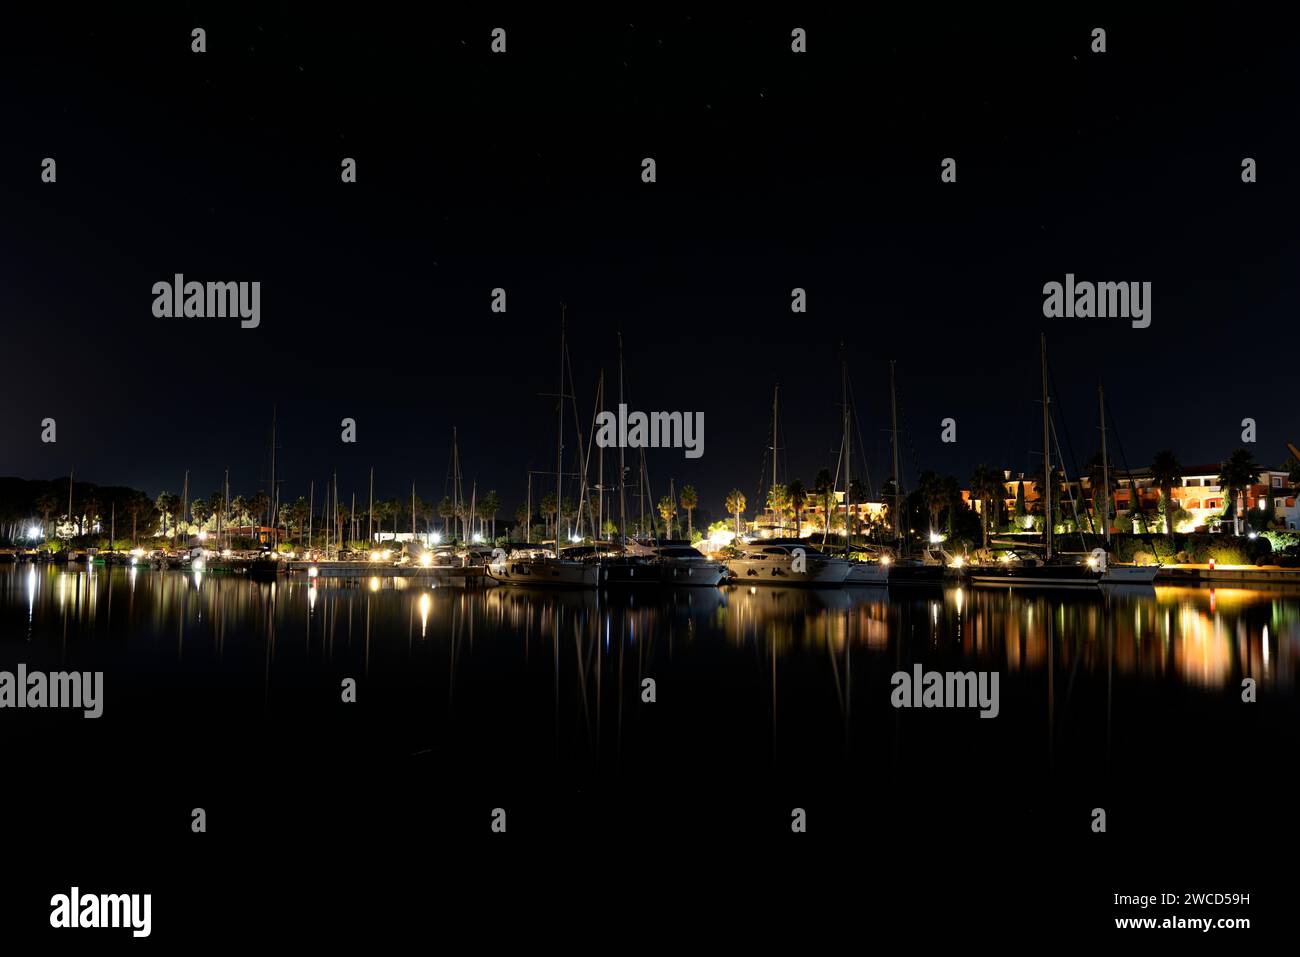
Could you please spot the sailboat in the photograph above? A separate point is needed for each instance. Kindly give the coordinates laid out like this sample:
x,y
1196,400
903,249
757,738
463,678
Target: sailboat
x,y
1049,572
904,570
535,566
1117,574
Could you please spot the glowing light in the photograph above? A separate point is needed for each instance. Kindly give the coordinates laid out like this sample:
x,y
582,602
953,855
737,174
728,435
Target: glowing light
x,y
1092,562
426,559
226,553
425,603
374,556
203,536
957,562
753,590
478,536
386,554
437,537
1253,535
885,559
197,565
374,584
313,572
935,538
33,533
1006,557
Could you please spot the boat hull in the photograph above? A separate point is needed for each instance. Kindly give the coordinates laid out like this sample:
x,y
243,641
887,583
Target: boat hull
x,y
1130,575
1048,576
544,573
751,572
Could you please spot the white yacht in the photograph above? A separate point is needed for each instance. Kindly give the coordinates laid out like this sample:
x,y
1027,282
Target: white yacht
x,y
681,564
786,561
538,567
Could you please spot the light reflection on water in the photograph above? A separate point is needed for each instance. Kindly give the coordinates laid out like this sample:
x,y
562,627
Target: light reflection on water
x,y
1199,637
802,672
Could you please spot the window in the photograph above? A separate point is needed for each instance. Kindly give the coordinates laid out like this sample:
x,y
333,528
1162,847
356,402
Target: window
x,y
1277,481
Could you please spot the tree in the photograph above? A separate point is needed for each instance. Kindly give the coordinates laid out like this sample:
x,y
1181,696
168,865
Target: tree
x,y
1098,486
858,493
1236,474
46,504
1166,472
167,503
690,500
933,495
778,500
492,505
200,511
90,508
259,507
798,497
824,492
986,487
735,504
1021,510
446,511
668,512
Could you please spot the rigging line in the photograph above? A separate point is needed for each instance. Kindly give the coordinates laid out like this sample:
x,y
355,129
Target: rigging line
x,y
1135,500
866,468
1051,378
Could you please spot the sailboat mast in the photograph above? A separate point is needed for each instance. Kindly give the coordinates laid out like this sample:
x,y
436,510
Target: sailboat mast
x,y
622,501
1105,465
1047,455
776,396
600,466
559,438
893,419
848,462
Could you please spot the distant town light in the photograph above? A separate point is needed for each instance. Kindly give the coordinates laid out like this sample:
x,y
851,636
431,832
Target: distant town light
x,y
33,532
426,559
374,556
437,538
313,572
478,536
935,538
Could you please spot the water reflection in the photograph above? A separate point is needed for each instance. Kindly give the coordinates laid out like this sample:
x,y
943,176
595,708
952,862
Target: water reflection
x,y
796,663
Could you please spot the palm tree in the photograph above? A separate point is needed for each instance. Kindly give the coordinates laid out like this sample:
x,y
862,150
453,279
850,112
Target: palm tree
x,y
668,512
258,507
798,496
200,510
1238,473
1166,472
690,500
858,493
778,500
933,494
90,506
548,514
446,512
239,510
46,505
492,505
735,504
824,490
986,486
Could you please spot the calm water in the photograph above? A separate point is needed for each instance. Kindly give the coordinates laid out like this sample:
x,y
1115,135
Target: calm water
x,y
225,694
773,684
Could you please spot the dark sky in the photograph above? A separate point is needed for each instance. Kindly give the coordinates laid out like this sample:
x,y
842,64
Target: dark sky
x,y
523,171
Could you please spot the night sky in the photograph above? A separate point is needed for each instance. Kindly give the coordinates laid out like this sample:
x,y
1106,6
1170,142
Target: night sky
x,y
522,171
